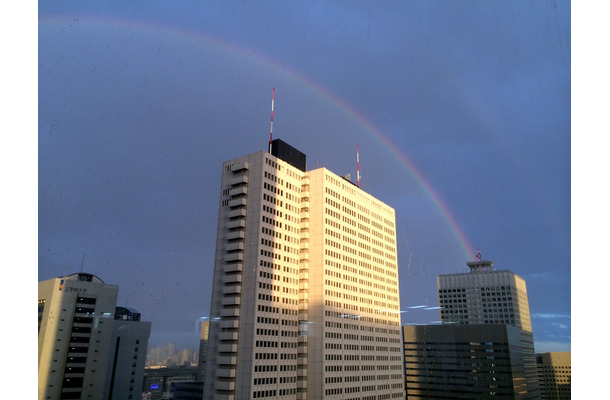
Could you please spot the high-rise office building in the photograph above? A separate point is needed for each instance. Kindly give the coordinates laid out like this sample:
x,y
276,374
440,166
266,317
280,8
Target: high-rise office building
x,y
125,371
474,361
487,296
75,323
555,374
305,300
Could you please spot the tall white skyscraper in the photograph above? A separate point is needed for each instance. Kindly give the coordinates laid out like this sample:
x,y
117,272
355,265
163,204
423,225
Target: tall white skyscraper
x,y
488,296
305,300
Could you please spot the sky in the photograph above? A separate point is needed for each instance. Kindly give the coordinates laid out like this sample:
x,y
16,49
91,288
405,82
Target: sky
x,y
461,111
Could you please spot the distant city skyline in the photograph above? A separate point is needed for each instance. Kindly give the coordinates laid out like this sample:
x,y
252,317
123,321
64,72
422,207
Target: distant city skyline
x,y
461,111
167,356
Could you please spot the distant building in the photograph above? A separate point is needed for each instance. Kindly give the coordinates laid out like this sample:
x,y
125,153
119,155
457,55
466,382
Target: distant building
x,y
463,362
555,374
167,356
488,296
159,382
305,298
75,325
187,390
203,350
125,372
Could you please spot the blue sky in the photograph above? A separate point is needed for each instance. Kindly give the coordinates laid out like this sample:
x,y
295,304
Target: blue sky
x,y
140,102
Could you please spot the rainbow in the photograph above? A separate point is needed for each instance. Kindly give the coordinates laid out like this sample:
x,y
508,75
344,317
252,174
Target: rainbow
x,y
197,37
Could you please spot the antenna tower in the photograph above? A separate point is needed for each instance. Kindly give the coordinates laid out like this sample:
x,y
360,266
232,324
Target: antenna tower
x,y
271,133
358,162
82,262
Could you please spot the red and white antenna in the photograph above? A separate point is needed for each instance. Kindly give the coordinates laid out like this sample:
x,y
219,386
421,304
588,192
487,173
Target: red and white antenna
x,y
271,133
358,161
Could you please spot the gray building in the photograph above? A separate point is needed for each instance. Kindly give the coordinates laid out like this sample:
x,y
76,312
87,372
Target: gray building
x,y
487,296
125,371
464,362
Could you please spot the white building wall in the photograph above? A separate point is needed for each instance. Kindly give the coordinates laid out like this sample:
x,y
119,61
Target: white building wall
x,y
299,283
56,346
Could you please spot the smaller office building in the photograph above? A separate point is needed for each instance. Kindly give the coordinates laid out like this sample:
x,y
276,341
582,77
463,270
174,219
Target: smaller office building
x,y
75,322
478,361
87,347
125,371
555,374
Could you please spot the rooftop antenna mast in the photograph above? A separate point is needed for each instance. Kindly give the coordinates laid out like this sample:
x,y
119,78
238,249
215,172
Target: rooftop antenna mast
x,y
271,133
82,262
358,162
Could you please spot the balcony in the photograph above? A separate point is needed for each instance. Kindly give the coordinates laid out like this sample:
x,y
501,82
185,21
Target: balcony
x,y
239,202
231,278
227,348
230,301
240,166
227,360
229,312
226,336
238,191
233,267
236,213
229,323
233,257
225,372
238,180
231,289
234,246
240,234
225,385
236,223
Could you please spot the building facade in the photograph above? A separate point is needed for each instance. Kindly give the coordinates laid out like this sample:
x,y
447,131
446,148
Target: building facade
x,y
488,296
203,350
75,324
555,374
160,383
305,300
125,371
464,362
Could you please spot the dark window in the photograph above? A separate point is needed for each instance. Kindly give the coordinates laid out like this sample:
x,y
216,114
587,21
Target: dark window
x,y
72,382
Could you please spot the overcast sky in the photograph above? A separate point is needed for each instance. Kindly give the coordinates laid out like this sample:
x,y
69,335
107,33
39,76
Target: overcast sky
x,y
461,111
